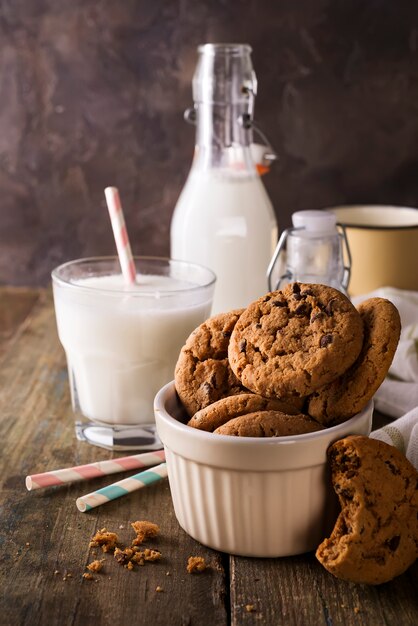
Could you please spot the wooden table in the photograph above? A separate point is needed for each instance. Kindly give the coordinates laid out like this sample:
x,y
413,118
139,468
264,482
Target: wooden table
x,y
45,540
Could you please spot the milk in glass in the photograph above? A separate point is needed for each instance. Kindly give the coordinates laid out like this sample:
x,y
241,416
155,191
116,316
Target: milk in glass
x,y
122,342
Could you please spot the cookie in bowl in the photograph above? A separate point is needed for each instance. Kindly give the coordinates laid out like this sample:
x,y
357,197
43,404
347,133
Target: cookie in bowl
x,y
348,394
269,424
218,413
203,374
296,340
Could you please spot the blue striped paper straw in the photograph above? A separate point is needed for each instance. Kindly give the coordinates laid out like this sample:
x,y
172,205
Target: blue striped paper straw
x,y
121,488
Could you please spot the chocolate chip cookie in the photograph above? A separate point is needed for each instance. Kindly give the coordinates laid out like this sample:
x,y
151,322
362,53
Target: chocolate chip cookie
x,y
375,537
350,393
202,373
220,412
293,341
269,424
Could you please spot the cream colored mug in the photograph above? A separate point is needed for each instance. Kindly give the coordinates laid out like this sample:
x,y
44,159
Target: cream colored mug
x,y
383,242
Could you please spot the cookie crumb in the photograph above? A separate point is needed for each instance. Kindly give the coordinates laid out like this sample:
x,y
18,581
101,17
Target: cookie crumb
x,y
104,539
123,556
146,555
144,530
167,574
95,566
356,610
88,576
196,564
250,608
159,589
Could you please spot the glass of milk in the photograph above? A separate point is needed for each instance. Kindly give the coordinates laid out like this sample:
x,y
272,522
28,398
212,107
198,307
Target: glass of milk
x,y
122,342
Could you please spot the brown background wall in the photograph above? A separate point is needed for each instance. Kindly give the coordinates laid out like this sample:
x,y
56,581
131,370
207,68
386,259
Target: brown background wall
x,y
92,93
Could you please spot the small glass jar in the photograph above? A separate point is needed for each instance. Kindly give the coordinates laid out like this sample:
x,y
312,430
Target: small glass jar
x,y
313,251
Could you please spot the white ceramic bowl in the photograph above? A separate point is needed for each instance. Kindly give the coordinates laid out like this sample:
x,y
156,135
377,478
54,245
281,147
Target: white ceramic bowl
x,y
250,496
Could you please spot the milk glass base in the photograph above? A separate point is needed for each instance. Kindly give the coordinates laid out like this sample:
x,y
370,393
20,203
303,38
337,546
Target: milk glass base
x,y
141,436
118,437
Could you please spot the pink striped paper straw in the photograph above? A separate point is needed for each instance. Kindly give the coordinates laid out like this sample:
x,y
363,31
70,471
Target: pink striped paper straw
x,y
121,235
121,488
93,470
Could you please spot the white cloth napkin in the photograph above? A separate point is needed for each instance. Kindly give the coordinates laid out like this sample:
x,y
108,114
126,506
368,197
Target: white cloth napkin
x,y
398,394
403,434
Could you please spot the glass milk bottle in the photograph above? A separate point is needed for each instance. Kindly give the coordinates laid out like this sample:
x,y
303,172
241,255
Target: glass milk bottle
x,y
224,218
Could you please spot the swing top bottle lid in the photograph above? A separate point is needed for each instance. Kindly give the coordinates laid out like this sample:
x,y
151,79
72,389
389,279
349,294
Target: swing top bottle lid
x,y
224,74
315,221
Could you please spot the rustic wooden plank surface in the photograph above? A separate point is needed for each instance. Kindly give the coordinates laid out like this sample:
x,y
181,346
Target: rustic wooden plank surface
x,y
15,305
44,539
299,591
42,532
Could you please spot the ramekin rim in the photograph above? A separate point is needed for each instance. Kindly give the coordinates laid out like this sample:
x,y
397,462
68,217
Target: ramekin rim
x,y
247,441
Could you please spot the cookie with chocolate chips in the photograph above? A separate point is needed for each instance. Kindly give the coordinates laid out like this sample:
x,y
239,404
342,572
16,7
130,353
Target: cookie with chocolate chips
x,y
294,341
269,424
375,537
350,393
220,412
203,374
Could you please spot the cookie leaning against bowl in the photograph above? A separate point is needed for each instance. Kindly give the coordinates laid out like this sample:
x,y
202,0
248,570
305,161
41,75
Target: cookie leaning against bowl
x,y
202,373
350,393
269,424
375,537
293,341
220,412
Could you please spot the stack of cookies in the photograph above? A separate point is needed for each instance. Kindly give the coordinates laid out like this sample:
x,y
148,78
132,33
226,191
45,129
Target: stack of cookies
x,y
295,361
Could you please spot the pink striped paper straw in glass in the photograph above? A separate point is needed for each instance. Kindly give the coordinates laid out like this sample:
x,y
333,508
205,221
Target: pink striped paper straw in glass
x,y
93,470
121,488
121,235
